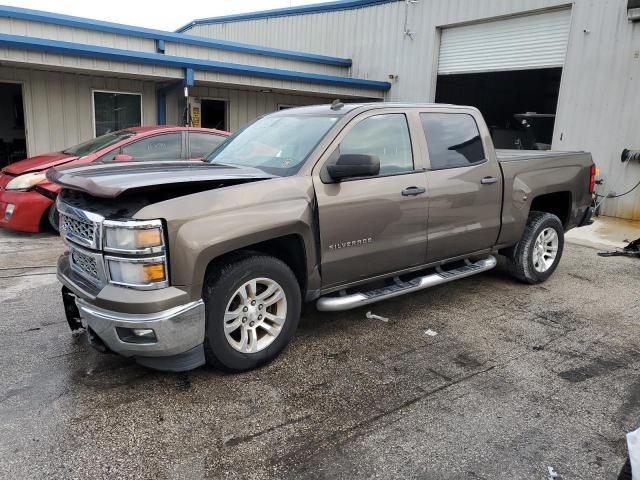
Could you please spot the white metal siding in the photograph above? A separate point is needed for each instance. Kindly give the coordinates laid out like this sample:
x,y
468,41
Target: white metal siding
x,y
519,43
598,105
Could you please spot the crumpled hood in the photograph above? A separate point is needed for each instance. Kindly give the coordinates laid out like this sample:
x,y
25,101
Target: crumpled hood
x,y
112,180
39,163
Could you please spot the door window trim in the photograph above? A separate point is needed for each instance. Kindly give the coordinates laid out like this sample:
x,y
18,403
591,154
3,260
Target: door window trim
x,y
121,92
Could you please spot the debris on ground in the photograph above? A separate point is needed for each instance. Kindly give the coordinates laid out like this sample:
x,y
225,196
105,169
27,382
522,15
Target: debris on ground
x,y
631,250
431,333
553,475
373,316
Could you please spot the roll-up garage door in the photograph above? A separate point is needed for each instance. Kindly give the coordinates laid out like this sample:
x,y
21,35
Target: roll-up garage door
x,y
519,43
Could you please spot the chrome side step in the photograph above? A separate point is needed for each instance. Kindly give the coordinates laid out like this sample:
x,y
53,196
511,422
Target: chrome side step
x,y
440,276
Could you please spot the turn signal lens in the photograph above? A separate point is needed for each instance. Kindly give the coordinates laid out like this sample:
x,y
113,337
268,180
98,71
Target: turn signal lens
x,y
154,272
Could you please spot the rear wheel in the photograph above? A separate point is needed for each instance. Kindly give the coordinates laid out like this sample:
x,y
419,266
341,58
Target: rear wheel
x,y
536,256
253,310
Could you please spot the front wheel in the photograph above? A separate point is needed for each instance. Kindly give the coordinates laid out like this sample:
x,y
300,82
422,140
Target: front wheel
x,y
53,218
253,310
538,253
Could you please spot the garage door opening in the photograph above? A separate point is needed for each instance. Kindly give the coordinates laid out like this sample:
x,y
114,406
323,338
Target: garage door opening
x,y
510,69
519,106
214,114
13,144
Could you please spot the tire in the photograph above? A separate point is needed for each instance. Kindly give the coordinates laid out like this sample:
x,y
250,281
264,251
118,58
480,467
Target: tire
x,y
625,473
53,218
225,350
523,261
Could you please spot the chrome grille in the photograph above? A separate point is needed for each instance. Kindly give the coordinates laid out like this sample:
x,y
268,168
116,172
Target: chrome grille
x,y
86,265
77,228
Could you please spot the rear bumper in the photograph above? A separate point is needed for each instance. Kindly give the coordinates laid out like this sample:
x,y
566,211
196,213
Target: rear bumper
x,y
588,217
29,207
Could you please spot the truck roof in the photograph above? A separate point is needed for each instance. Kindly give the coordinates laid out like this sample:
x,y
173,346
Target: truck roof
x,y
349,107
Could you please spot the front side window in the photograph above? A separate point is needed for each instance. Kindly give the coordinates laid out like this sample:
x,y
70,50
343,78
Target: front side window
x,y
202,144
453,140
276,144
385,136
157,147
116,111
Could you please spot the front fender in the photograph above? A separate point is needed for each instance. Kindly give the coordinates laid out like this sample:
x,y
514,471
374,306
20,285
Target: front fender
x,y
201,241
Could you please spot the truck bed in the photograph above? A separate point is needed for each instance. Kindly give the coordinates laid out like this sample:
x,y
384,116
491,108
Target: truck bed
x,y
505,155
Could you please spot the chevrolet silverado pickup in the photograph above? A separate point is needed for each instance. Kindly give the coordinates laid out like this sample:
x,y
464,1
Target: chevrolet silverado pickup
x,y
181,264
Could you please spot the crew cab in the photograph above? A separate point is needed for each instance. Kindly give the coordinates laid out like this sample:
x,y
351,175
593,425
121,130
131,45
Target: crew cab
x,y
179,264
27,198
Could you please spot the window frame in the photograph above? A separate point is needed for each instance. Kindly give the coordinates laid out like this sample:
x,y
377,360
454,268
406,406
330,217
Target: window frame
x,y
431,168
417,159
120,92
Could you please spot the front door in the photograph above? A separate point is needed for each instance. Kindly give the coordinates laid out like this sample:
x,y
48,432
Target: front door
x,y
374,225
464,187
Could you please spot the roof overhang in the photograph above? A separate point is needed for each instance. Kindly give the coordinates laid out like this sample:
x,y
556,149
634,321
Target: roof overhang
x,y
116,28
196,64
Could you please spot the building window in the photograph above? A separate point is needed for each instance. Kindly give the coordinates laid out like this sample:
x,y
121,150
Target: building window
x,y
114,111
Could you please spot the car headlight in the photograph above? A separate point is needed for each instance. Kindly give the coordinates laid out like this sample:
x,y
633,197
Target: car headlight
x,y
26,181
133,237
142,273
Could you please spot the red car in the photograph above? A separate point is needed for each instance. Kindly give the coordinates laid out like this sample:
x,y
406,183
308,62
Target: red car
x,y
27,199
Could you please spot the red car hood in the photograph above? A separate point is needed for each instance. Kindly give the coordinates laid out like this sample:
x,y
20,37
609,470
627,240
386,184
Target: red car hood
x,y
36,164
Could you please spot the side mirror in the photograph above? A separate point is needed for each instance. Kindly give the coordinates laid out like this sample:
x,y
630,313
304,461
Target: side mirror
x,y
123,157
351,165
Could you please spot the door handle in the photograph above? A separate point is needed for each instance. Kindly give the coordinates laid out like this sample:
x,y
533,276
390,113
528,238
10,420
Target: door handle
x,y
488,180
413,191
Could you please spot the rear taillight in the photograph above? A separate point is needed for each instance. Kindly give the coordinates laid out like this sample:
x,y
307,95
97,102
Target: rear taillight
x,y
592,179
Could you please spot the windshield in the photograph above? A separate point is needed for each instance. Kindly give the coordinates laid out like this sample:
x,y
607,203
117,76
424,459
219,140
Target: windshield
x,y
95,144
278,145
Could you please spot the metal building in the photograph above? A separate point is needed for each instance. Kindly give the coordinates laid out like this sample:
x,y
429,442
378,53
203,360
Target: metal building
x,y
568,71
578,60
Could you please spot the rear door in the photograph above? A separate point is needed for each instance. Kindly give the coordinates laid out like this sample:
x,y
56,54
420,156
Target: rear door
x,y
368,226
464,184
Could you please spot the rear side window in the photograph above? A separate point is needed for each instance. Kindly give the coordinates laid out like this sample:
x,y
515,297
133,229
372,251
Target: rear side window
x,y
202,144
453,140
387,137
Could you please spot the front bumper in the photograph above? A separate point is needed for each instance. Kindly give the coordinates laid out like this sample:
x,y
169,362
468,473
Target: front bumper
x,y
29,208
178,328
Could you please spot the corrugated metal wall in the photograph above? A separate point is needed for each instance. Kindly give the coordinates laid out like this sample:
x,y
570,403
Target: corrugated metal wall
x,y
599,102
243,105
58,106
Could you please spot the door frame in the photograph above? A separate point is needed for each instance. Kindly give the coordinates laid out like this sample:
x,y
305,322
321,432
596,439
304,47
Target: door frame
x,y
26,109
226,110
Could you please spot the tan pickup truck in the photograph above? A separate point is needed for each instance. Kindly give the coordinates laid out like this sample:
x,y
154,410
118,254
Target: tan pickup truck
x,y
178,264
